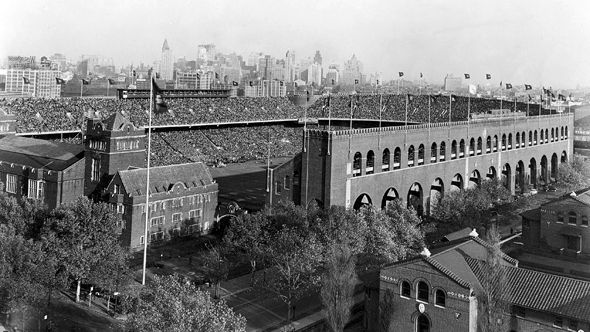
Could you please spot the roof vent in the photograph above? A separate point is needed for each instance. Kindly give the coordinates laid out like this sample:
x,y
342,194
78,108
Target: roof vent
x,y
425,252
474,233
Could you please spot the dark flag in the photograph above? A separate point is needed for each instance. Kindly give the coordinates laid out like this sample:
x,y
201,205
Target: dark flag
x,y
216,76
488,76
561,97
377,82
326,102
545,92
281,83
410,98
134,73
198,76
234,83
250,83
59,81
112,81
401,74
85,82
421,75
333,82
552,95
26,80
542,100
467,76
530,98
528,87
158,75
295,83
508,86
159,104
356,81
500,83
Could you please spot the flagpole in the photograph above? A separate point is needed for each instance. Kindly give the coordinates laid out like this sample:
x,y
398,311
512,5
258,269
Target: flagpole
x,y
108,86
350,129
147,189
81,86
380,114
406,125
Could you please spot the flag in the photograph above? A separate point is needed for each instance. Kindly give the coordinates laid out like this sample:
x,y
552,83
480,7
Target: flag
x,y
421,75
333,81
59,81
281,83
234,83
159,104
561,97
542,100
158,75
250,83
508,86
528,87
467,76
401,74
85,82
26,80
112,81
545,92
293,83
500,83
530,98
216,76
326,102
552,95
410,98
377,82
472,89
198,76
356,81
488,76
134,73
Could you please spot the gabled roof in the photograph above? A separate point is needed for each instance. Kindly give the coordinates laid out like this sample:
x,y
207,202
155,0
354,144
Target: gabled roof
x,y
434,264
116,121
542,291
38,153
163,178
582,196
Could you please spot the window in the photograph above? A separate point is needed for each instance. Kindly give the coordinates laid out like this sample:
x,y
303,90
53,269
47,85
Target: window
x,y
488,144
11,183
585,221
157,221
503,142
411,156
405,289
287,182
433,152
278,187
397,157
370,162
495,147
422,293
95,173
421,154
572,219
509,141
560,217
517,145
454,149
440,298
443,151
176,217
558,321
386,159
32,192
462,148
141,239
573,243
195,215
472,147
157,236
356,164
120,208
518,311
116,189
177,202
479,145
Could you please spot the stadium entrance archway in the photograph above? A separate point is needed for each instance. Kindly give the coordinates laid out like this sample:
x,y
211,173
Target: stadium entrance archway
x,y
543,174
519,177
533,172
564,157
554,167
491,173
363,200
422,324
474,180
456,183
415,197
437,190
390,196
506,176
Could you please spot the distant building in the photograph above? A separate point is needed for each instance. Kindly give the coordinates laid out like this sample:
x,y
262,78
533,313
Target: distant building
x,y
205,53
556,236
21,62
265,88
41,83
352,71
186,80
452,83
332,76
183,199
314,74
290,70
166,62
317,58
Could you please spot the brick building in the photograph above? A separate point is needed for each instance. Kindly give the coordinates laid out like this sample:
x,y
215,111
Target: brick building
x,y
183,199
556,236
437,291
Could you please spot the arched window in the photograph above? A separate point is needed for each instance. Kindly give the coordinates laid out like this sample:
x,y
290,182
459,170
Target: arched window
x,y
530,138
542,137
454,149
356,164
479,145
510,141
584,221
557,134
405,289
503,142
397,158
440,298
546,135
523,138
443,151
472,146
421,154
572,218
488,144
535,138
370,162
552,135
411,154
433,152
495,147
517,145
385,161
462,148
566,131
422,291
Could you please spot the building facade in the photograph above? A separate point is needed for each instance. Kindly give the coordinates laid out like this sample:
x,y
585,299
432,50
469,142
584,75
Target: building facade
x,y
41,83
265,88
166,62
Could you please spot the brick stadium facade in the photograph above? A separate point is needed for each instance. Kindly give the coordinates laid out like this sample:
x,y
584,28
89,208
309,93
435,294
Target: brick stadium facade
x,y
419,163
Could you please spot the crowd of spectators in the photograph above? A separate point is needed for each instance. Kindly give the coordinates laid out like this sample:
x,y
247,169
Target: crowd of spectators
x,y
220,146
46,115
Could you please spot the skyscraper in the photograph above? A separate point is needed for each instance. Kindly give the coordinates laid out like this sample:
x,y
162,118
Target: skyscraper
x,y
167,62
317,58
353,70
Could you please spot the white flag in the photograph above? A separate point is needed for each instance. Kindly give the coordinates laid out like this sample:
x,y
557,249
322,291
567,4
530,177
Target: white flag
x,y
472,89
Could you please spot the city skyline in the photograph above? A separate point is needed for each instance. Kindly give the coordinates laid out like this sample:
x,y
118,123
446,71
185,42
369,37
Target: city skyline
x,y
527,42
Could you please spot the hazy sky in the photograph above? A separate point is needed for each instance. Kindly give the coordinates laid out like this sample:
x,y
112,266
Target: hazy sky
x,y
532,41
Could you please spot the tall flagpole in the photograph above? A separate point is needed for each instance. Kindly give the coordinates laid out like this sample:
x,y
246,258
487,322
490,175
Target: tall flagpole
x,y
147,185
81,86
329,112
380,115
268,177
108,86
350,129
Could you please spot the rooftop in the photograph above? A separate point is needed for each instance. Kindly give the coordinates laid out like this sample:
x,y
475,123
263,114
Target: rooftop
x,y
39,153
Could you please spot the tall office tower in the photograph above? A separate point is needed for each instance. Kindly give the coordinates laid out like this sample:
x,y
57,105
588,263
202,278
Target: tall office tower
x,y
290,70
317,58
314,76
332,76
353,70
205,53
167,62
266,66
33,82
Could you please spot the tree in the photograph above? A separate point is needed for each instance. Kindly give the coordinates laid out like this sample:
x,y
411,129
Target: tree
x,y
393,234
574,174
26,215
85,237
216,265
494,286
172,304
295,257
338,282
337,225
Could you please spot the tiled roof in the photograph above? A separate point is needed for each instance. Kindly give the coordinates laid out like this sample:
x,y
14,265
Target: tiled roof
x,y
447,272
163,178
38,153
487,245
582,196
543,291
